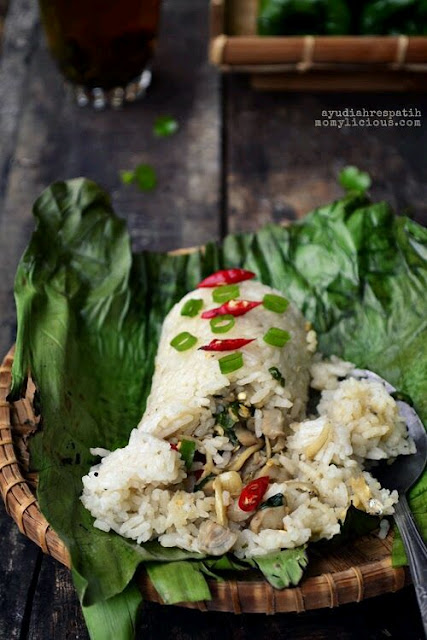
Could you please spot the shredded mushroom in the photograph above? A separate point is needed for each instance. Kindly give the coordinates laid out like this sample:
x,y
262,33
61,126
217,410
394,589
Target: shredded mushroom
x,y
221,512
245,437
231,482
362,493
315,446
244,456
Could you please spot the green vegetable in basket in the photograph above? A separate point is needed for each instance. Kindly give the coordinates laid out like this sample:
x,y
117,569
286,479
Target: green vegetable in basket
x,y
301,17
381,17
336,17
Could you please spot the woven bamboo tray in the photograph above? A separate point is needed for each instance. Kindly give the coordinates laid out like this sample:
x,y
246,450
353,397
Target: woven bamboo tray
x,y
356,571
313,63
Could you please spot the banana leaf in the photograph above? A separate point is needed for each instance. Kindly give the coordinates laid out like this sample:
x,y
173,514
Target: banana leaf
x,y
89,319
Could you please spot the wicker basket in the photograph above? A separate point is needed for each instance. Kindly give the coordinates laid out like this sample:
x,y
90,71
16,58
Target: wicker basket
x,y
313,63
354,572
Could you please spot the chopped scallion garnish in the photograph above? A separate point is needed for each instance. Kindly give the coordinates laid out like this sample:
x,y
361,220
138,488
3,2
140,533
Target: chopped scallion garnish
x,y
275,303
183,341
276,337
187,449
231,363
225,293
192,307
222,324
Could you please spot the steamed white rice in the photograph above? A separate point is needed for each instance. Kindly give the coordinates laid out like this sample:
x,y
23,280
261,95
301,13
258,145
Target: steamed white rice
x,y
317,464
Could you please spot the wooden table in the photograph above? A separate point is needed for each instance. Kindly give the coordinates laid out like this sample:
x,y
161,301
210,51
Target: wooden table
x,y
240,159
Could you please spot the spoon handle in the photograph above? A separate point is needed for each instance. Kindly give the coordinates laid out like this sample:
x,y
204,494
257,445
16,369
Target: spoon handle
x,y
416,552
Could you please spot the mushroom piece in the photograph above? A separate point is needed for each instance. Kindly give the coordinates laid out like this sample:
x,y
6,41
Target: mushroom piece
x,y
279,444
209,487
245,437
269,518
242,455
274,470
273,423
215,539
236,514
231,482
251,467
221,512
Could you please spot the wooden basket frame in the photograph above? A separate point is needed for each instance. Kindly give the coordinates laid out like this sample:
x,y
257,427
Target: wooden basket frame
x,y
361,63
329,589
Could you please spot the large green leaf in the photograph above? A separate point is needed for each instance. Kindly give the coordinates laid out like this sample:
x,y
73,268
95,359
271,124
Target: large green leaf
x,y
90,314
115,618
178,581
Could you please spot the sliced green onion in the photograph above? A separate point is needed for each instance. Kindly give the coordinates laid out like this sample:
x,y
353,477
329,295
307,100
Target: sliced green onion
x,y
231,363
187,449
277,337
225,293
278,304
222,324
275,373
183,341
192,307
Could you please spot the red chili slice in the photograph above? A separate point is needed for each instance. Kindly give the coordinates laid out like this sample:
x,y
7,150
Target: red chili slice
x,y
226,276
173,446
232,307
253,493
226,345
198,474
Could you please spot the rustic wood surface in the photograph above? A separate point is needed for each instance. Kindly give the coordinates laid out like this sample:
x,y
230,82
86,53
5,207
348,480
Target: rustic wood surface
x,y
239,159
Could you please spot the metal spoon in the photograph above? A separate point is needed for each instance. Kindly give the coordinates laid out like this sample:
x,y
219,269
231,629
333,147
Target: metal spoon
x,y
401,475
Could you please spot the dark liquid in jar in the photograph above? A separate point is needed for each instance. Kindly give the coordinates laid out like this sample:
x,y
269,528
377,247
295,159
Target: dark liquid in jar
x,y
101,43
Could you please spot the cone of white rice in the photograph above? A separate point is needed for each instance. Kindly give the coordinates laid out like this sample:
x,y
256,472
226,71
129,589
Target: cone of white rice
x,y
185,382
224,458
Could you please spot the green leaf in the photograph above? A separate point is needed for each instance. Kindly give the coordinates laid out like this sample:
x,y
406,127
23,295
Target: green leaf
x,y
165,126
302,17
127,177
275,501
204,481
145,177
357,523
284,568
275,373
179,581
114,619
228,563
352,179
90,314
227,419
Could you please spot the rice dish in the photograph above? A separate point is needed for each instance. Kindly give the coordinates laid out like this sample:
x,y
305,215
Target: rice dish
x,y
227,456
